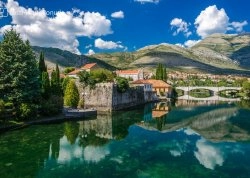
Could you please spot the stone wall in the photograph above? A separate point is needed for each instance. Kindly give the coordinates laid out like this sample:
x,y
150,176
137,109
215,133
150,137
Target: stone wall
x,y
105,97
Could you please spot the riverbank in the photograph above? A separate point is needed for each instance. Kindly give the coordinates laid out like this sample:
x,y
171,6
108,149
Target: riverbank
x,y
43,120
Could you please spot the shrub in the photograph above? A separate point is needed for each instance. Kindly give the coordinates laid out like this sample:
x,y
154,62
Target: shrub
x,y
122,84
2,109
71,96
52,106
27,110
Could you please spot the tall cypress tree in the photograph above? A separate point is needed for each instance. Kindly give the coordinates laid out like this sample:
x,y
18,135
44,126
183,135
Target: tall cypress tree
x,y
45,85
71,96
19,76
41,64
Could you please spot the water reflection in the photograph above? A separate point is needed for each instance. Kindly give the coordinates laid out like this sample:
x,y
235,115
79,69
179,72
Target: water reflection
x,y
152,141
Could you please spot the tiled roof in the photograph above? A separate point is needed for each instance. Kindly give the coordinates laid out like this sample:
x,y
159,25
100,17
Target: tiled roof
x,y
127,71
155,83
88,66
74,72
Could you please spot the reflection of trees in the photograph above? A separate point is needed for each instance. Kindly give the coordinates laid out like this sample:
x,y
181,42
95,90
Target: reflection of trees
x,y
71,130
28,148
91,139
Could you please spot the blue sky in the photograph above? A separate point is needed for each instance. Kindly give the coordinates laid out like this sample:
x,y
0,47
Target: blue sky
x,y
92,26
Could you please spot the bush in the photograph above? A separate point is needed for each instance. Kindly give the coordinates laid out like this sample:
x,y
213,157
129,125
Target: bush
x,y
52,106
2,109
71,96
122,84
27,110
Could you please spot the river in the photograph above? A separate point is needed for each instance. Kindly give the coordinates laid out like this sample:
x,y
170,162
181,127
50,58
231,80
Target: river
x,y
188,139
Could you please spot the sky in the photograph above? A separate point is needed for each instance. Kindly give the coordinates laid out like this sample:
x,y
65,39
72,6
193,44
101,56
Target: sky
x,y
94,26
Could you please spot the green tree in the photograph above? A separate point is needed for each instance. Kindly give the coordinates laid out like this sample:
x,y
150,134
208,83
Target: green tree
x,y
65,83
41,64
2,109
19,76
55,83
160,72
45,85
71,96
246,89
122,84
68,70
71,130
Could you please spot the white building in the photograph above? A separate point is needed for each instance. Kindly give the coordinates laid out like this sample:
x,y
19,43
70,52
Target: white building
x,y
131,74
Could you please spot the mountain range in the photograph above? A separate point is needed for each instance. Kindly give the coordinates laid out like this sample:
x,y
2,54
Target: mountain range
x,y
218,53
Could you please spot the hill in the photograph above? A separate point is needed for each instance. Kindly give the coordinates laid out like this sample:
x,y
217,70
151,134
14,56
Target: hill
x,y
218,54
67,59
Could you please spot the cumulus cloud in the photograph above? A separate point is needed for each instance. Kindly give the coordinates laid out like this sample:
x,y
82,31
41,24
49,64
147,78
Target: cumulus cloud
x,y
211,20
90,52
101,44
237,26
118,15
56,29
180,26
190,43
148,1
214,20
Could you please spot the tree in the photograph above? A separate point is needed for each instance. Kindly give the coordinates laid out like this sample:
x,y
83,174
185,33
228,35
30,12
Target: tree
x,y
65,83
68,70
55,82
41,64
45,85
160,72
71,96
122,84
19,75
246,89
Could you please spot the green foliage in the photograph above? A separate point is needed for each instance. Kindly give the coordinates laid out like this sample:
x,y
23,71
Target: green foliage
x,y
81,103
161,72
41,64
96,76
45,85
71,96
65,83
246,89
19,76
27,110
52,106
122,84
68,70
102,75
55,82
2,109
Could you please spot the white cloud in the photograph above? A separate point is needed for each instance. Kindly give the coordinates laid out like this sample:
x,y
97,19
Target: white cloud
x,y
101,44
118,15
56,29
208,155
211,20
90,52
88,46
237,26
147,1
180,26
190,43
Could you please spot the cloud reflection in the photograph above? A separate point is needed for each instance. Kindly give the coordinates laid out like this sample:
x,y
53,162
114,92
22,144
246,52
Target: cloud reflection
x,y
208,155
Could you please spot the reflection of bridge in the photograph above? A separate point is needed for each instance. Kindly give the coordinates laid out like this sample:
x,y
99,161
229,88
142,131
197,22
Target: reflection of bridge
x,y
215,91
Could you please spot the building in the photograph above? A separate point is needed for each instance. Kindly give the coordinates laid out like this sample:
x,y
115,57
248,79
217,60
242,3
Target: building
x,y
90,67
87,67
131,74
149,94
159,86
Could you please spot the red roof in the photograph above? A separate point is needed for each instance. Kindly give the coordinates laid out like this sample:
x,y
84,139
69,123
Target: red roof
x,y
88,66
155,83
74,72
127,71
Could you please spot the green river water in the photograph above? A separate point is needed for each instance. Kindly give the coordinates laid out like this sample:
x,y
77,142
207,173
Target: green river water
x,y
189,139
